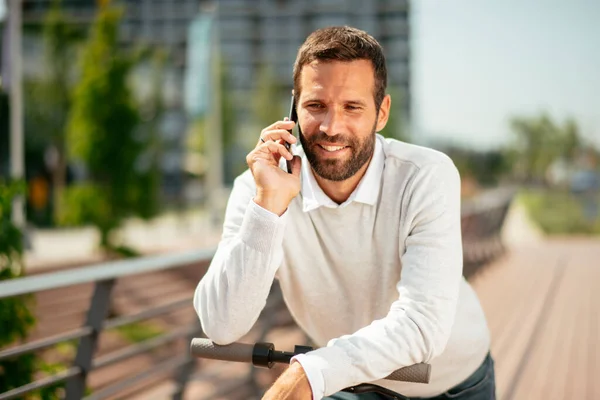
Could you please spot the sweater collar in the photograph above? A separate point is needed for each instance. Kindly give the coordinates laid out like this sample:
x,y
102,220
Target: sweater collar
x,y
367,191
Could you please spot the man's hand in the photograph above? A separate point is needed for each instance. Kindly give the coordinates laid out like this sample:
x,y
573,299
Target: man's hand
x,y
291,385
275,188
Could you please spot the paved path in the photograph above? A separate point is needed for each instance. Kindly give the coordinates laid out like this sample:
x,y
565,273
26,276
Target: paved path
x,y
542,301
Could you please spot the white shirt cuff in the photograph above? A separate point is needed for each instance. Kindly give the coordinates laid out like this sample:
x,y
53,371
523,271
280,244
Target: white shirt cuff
x,y
262,229
264,213
311,368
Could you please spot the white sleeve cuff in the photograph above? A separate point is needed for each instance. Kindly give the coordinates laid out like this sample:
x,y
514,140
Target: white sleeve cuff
x,y
261,229
270,216
311,368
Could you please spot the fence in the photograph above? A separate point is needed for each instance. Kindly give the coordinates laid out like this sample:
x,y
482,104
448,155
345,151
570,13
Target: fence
x,y
481,222
115,282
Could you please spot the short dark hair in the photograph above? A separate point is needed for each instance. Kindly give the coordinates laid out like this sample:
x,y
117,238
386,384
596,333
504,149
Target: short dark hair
x,y
343,43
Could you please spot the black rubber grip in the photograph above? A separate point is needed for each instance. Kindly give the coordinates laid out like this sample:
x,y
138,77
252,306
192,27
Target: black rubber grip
x,y
238,352
242,352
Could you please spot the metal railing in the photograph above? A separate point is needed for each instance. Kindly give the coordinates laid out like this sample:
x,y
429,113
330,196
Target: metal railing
x,y
482,221
104,277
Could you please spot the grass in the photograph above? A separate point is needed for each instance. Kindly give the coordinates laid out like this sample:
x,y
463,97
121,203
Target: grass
x,y
139,331
559,212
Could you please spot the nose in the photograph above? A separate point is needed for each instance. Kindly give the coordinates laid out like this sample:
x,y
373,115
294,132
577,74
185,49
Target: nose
x,y
332,123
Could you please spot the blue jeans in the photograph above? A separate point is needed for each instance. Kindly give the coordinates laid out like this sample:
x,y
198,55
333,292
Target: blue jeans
x,y
481,385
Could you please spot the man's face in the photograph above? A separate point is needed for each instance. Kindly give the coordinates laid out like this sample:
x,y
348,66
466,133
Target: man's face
x,y
337,113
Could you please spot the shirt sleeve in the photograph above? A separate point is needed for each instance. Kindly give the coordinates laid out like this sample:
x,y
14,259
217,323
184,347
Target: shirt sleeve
x,y
312,368
234,290
418,324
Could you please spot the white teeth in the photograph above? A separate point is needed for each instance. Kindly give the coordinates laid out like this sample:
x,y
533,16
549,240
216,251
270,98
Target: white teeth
x,y
332,148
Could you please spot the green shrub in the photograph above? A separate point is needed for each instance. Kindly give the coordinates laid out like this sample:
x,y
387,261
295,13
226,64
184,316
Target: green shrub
x,y
16,318
103,135
139,331
560,212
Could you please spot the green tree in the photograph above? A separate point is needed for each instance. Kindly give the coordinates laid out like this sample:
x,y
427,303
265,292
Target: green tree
x,y
16,318
571,140
59,38
48,99
103,136
4,133
539,141
486,167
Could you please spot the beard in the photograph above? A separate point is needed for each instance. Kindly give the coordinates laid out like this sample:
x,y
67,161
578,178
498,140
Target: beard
x,y
339,169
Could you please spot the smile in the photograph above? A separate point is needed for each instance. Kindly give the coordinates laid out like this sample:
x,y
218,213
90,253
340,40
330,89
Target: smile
x,y
332,148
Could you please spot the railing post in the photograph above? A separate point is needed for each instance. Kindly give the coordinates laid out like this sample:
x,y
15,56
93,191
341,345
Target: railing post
x,y
184,372
87,346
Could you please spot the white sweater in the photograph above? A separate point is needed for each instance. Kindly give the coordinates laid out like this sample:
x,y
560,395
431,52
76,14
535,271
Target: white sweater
x,y
376,281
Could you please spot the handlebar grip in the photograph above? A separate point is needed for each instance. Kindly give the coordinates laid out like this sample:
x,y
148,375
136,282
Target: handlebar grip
x,y
417,373
237,352
242,352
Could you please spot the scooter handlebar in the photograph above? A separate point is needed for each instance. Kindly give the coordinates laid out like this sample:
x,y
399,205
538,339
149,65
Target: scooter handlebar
x,y
243,352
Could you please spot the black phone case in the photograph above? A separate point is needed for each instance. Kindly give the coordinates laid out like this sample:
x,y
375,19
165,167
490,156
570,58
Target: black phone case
x,y
293,117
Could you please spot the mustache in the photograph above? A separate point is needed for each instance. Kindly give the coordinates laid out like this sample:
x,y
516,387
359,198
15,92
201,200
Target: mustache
x,y
322,137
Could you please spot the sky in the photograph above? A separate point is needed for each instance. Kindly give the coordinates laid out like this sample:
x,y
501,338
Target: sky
x,y
477,63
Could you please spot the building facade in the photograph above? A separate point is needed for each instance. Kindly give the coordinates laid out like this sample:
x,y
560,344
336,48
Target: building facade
x,y
252,34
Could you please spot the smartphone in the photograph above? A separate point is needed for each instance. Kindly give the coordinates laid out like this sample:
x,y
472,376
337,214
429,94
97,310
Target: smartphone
x,y
293,116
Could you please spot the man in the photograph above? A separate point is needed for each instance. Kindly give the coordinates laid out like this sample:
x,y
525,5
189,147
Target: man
x,y
364,237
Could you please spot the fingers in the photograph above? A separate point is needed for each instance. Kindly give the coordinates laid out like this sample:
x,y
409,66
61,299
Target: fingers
x,y
277,148
278,131
279,134
274,135
285,124
270,152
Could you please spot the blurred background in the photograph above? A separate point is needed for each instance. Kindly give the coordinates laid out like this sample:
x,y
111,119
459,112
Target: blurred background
x,y
124,123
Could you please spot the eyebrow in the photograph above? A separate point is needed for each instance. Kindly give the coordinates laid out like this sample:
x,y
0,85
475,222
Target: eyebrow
x,y
356,102
351,102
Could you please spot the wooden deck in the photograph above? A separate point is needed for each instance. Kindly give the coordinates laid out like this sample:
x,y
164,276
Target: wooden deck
x,y
542,301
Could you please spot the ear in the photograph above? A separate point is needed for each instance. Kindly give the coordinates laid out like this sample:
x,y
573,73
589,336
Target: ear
x,y
384,113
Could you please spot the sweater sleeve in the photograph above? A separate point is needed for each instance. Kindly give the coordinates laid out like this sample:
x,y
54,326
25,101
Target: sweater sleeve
x,y
418,324
234,290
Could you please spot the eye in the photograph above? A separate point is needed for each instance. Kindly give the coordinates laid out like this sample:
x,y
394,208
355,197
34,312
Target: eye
x,y
314,106
353,107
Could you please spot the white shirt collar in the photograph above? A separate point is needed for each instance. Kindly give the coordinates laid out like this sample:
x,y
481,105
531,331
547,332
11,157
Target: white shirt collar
x,y
366,192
